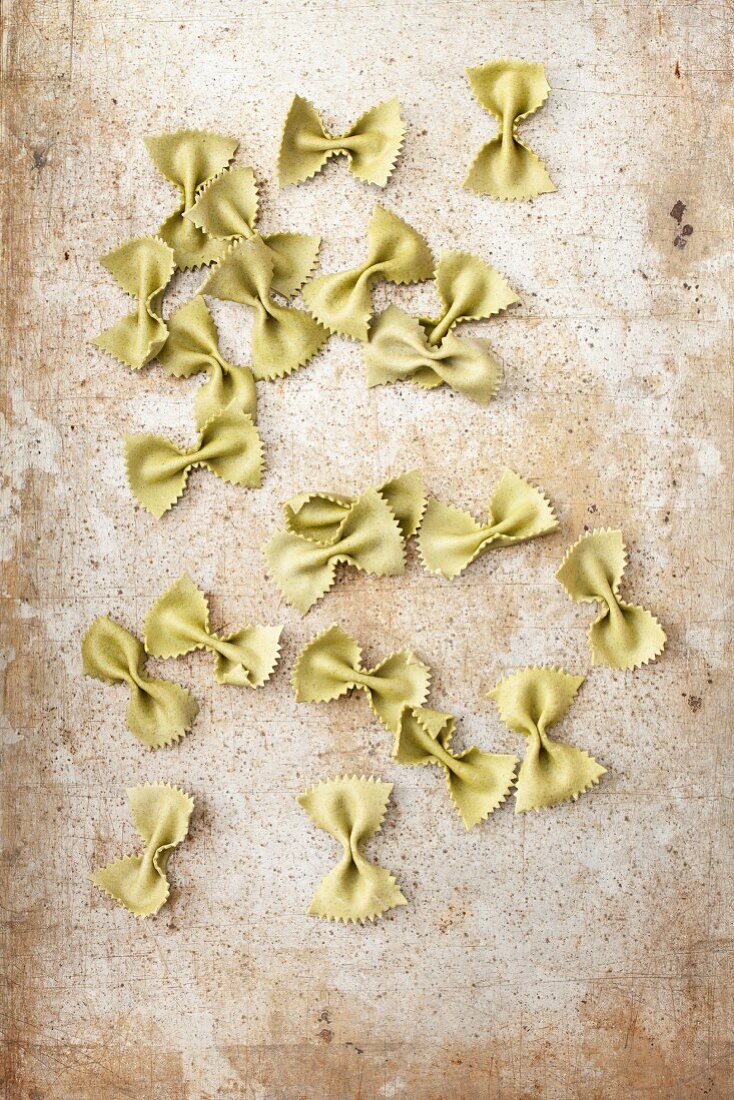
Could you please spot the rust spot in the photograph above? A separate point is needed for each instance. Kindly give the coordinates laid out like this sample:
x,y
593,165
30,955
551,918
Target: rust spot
x,y
678,211
681,239
695,702
326,1035
40,158
676,70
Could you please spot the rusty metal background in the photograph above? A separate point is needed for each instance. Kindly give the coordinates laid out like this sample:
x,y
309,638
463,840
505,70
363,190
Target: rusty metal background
x,y
584,952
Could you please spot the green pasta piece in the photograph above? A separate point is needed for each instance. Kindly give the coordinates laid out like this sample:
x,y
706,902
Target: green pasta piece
x,y
505,168
352,810
531,701
624,636
371,145
161,816
330,665
396,253
178,623
478,782
159,712
142,268
451,539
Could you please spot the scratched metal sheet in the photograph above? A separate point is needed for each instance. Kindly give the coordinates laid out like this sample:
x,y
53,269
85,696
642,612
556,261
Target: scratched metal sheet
x,y
583,952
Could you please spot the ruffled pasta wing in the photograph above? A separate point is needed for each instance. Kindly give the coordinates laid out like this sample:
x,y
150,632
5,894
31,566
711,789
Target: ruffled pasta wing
x,y
317,517
470,290
552,773
304,144
227,206
535,697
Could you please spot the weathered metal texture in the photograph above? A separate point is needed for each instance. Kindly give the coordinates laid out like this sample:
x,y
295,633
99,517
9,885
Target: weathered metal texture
x,y
583,952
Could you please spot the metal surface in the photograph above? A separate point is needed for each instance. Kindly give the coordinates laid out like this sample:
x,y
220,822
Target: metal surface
x,y
583,952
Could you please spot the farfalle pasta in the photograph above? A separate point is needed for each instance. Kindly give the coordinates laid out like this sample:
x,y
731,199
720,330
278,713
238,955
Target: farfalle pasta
x,y
178,623
227,208
159,712
371,145
396,253
505,168
143,268
531,701
425,350
318,516
229,446
624,636
283,337
367,532
478,782
188,159
352,810
161,816
451,539
192,348
330,665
